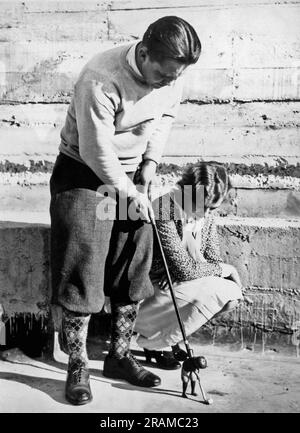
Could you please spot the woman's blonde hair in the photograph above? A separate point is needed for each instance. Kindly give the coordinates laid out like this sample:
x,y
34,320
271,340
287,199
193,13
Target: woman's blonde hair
x,y
212,176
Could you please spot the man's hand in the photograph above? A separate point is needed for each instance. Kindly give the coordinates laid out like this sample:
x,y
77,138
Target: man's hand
x,y
229,272
147,174
142,180
140,206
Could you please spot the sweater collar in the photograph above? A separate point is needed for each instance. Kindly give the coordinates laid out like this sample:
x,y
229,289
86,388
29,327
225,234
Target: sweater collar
x,y
130,59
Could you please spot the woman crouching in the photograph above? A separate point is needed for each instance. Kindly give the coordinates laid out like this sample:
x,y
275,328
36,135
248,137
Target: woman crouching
x,y
204,286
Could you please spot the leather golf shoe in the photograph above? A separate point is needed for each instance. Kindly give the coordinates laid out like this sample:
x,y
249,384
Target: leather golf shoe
x,y
78,389
129,369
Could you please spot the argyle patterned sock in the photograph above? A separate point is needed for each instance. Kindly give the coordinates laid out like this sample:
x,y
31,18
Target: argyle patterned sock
x,y
123,320
75,329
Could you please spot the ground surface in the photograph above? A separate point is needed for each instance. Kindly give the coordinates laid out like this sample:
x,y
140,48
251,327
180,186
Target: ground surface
x,y
238,381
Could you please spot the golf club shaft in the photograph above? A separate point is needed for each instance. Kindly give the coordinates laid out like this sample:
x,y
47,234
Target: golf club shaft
x,y
189,350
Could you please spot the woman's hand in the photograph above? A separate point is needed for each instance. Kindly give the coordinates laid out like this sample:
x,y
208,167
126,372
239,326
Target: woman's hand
x,y
164,284
230,273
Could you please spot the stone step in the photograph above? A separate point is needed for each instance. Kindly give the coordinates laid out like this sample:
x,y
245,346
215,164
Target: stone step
x,y
258,143
19,194
266,253
236,130
250,59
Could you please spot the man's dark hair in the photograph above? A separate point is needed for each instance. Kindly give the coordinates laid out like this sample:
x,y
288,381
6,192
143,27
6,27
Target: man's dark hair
x,y
172,38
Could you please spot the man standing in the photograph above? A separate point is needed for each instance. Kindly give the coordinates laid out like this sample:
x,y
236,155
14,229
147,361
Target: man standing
x,y
119,118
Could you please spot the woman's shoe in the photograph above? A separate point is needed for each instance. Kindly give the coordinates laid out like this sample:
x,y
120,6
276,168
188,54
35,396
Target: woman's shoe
x,y
164,360
178,353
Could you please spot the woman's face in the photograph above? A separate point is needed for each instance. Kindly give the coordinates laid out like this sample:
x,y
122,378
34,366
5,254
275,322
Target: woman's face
x,y
202,213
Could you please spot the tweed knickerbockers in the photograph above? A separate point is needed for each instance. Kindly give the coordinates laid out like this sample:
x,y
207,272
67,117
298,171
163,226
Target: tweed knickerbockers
x,y
91,256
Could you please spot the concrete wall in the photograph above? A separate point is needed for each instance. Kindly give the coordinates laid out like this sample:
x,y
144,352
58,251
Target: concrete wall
x,y
241,100
241,107
266,253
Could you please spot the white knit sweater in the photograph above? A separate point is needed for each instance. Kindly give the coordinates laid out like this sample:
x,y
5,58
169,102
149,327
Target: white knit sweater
x,y
115,119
